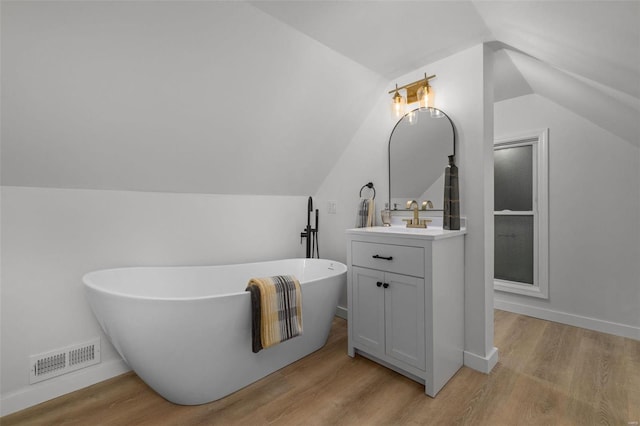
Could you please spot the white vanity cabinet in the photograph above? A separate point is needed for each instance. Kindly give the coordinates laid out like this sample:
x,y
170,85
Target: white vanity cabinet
x,y
406,300
388,312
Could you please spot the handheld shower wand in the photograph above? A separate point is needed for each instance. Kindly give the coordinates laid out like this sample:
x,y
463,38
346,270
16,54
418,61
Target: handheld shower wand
x,y
315,250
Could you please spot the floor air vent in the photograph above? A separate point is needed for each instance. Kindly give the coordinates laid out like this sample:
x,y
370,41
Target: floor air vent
x,y
62,361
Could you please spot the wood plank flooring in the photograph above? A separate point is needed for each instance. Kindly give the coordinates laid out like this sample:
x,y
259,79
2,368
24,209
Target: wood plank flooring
x,y
548,374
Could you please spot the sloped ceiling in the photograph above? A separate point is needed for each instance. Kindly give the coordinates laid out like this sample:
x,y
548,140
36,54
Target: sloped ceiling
x,y
262,97
203,97
584,55
508,80
388,37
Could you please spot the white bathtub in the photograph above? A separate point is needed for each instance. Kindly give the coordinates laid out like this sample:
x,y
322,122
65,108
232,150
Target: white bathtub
x,y
186,331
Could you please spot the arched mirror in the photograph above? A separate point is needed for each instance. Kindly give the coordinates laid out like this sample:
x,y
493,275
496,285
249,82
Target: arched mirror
x,y
419,147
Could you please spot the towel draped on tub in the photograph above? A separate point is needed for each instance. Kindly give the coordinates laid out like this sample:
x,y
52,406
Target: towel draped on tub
x,y
276,310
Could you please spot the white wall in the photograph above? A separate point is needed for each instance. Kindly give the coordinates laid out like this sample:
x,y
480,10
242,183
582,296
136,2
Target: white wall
x,y
594,219
460,92
172,97
51,237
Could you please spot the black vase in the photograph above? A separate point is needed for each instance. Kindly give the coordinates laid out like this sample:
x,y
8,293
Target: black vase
x,y
451,214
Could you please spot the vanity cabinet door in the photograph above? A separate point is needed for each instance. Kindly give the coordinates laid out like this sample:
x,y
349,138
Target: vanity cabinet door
x,y
405,323
368,308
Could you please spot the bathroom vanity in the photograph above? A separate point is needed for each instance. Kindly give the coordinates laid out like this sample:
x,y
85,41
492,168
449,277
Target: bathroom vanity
x,y
406,300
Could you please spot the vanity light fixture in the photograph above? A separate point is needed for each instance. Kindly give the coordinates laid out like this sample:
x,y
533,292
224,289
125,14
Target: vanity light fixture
x,y
419,91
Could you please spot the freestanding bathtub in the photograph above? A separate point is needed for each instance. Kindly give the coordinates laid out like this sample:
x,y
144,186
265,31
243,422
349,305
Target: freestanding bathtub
x,y
186,331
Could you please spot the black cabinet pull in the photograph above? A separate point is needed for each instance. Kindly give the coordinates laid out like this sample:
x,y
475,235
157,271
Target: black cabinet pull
x,y
379,284
376,256
385,285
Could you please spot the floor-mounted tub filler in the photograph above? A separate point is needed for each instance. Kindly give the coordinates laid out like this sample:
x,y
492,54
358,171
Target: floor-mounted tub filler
x,y
186,331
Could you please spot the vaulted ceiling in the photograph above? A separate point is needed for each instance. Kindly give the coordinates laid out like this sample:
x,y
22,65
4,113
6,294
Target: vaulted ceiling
x,y
262,97
583,55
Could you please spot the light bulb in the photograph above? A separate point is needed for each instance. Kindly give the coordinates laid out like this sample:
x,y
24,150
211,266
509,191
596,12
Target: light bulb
x,y
423,96
398,105
432,97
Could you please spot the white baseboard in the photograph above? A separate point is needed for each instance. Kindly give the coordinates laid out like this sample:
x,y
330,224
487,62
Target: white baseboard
x,y
479,363
594,324
40,392
342,312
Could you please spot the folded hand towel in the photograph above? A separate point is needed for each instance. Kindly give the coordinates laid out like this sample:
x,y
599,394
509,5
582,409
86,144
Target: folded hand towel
x,y
276,310
366,209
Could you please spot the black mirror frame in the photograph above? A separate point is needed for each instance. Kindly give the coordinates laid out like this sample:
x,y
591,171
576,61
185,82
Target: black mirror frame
x,y
453,128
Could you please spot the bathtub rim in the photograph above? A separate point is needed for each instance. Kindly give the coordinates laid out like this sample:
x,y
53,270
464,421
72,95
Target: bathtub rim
x,y
95,287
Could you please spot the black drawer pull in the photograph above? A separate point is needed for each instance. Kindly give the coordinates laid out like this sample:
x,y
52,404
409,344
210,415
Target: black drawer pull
x,y
379,284
385,285
376,256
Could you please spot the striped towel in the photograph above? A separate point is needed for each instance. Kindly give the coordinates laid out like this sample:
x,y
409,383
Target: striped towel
x,y
366,207
276,310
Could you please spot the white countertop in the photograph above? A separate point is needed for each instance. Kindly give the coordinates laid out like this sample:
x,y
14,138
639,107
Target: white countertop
x,y
430,233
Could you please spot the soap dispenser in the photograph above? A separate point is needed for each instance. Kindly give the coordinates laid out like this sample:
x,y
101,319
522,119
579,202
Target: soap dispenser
x,y
386,215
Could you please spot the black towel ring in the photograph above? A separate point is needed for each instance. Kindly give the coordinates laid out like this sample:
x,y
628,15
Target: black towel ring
x,y
370,186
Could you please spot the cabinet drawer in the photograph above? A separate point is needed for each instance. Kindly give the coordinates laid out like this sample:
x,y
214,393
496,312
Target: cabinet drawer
x,y
404,259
